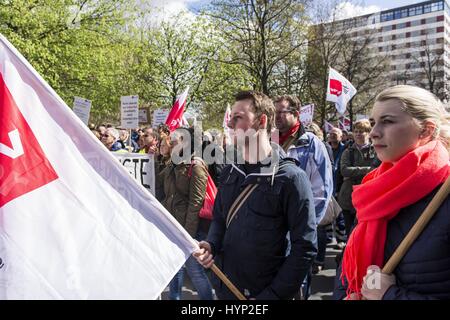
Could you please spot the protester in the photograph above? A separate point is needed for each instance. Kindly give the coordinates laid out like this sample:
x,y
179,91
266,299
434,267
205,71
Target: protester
x,y
163,130
110,139
307,149
213,152
411,133
248,243
96,134
161,162
315,129
347,138
101,129
184,189
311,154
129,144
149,142
338,147
356,161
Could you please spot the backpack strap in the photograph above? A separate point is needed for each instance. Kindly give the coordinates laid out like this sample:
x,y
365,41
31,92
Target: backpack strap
x,y
237,204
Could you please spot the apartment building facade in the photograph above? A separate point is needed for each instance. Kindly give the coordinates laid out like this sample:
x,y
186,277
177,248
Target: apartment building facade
x,y
416,40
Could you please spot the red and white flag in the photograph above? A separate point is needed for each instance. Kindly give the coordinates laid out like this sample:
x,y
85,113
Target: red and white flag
x,y
327,126
74,224
175,117
344,123
339,90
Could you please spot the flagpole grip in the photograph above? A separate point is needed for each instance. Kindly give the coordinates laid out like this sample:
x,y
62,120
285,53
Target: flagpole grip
x,y
227,282
418,227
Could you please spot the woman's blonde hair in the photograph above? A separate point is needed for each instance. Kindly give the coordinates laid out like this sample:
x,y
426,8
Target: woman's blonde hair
x,y
363,124
423,106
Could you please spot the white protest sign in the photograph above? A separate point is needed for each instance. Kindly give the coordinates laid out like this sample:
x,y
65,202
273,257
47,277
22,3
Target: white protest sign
x,y
141,167
82,108
143,115
129,112
159,116
306,114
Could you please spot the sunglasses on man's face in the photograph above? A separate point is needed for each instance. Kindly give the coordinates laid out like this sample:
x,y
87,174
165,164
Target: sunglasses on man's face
x,y
106,135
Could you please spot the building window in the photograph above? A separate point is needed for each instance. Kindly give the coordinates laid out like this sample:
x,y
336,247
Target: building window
x,y
380,49
400,13
437,6
414,11
408,34
408,45
380,39
440,18
408,55
408,24
407,66
423,21
439,29
440,40
393,47
388,16
394,27
423,43
393,37
427,8
415,23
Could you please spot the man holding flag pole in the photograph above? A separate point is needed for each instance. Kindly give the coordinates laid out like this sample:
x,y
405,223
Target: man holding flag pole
x,y
258,203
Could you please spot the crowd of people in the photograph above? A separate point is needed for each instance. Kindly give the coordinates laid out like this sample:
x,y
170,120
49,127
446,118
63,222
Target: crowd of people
x,y
278,208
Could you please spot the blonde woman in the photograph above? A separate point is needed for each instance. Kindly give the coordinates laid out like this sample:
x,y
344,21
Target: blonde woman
x,y
410,134
356,161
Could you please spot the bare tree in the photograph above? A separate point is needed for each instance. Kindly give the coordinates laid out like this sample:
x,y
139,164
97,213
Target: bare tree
x,y
260,34
347,46
428,68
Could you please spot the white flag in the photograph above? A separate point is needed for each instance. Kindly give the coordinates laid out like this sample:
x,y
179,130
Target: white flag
x,y
327,126
344,123
307,114
74,223
339,90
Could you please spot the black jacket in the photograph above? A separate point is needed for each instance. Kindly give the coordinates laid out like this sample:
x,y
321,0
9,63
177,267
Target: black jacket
x,y
424,272
252,251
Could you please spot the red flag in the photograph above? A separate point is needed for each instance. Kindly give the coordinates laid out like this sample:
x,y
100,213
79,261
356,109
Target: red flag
x,y
174,119
24,165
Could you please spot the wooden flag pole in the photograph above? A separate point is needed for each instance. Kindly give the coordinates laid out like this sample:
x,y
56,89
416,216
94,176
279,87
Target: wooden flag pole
x,y
418,227
227,282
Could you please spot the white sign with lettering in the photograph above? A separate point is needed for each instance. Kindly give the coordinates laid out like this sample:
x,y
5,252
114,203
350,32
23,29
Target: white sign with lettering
x,y
129,107
82,108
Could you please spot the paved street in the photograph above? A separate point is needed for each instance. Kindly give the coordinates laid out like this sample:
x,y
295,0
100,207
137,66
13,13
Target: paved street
x,y
322,283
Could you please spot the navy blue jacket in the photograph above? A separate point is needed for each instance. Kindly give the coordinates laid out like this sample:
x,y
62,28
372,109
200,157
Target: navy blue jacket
x,y
424,272
252,251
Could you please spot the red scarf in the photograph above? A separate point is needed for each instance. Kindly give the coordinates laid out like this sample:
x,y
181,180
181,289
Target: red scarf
x,y
383,192
289,133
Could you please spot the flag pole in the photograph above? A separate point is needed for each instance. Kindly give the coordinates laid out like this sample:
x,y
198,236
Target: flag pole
x,y
227,282
418,227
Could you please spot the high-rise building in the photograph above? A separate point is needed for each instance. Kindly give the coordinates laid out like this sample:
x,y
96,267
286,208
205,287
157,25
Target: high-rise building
x,y
416,38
